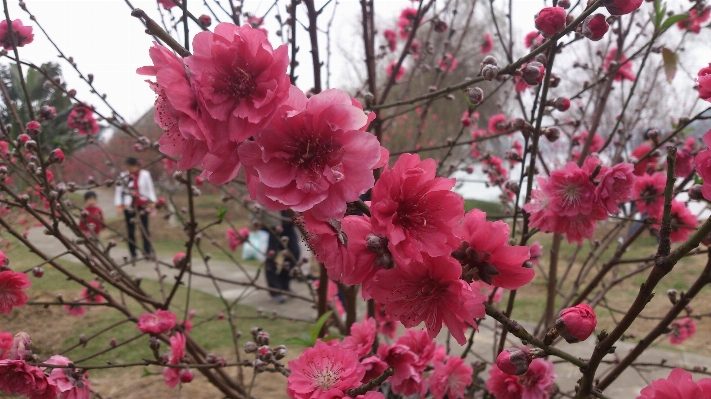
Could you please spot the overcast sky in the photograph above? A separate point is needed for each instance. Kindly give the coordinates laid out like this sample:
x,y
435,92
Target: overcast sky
x,y
105,40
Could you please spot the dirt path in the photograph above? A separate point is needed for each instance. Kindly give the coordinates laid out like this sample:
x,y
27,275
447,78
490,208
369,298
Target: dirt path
x,y
626,386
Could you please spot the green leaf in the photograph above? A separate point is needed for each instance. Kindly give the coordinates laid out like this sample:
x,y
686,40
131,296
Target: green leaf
x,y
672,20
313,333
221,212
658,14
669,57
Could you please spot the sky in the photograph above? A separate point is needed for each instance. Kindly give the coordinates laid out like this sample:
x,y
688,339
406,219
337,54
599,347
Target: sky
x,y
106,40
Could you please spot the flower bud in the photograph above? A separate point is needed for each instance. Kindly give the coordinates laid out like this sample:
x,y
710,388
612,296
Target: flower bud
x,y
263,338
48,112
513,361
552,134
21,347
621,7
577,323
533,73
186,376
23,138
33,127
695,192
489,60
562,104
564,3
489,72
279,352
475,95
595,27
250,347
205,20
38,272
57,156
259,365
178,258
551,20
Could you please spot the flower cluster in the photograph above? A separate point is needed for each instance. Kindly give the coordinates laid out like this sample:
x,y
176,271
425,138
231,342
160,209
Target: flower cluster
x,y
82,120
573,199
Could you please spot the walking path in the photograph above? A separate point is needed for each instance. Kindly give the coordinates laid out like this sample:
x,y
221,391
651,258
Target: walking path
x,y
627,385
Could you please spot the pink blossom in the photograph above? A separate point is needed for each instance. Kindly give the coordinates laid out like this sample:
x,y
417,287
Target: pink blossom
x,y
431,292
580,226
450,378
12,286
540,215
315,155
159,322
374,367
649,193
679,385
421,344
703,166
486,289
485,254
487,44
408,379
536,252
386,325
391,38
595,27
615,186
21,347
625,68
571,191
391,67
415,48
361,338
235,239
622,7
684,222
682,330
329,243
595,145
447,63
684,163
177,258
536,383
704,82
82,120
324,371
167,4
93,295
239,79
415,210
576,323
533,38
405,22
5,344
19,378
641,167
74,309
551,20
497,124
4,148
696,18
176,109
172,375
20,33
71,383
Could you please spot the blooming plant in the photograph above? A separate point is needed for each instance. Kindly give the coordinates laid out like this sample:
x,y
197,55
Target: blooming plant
x,y
571,128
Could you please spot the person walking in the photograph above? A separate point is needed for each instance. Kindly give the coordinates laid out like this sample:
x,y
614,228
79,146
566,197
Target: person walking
x,y
279,225
135,196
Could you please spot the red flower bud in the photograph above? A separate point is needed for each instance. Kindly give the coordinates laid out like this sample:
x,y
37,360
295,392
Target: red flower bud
x,y
533,73
205,20
199,181
56,156
513,361
622,7
33,127
475,95
595,27
23,138
48,112
178,258
562,104
186,376
466,122
577,323
551,20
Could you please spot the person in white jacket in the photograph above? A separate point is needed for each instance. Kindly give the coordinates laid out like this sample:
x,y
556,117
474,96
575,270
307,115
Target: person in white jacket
x,y
135,196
